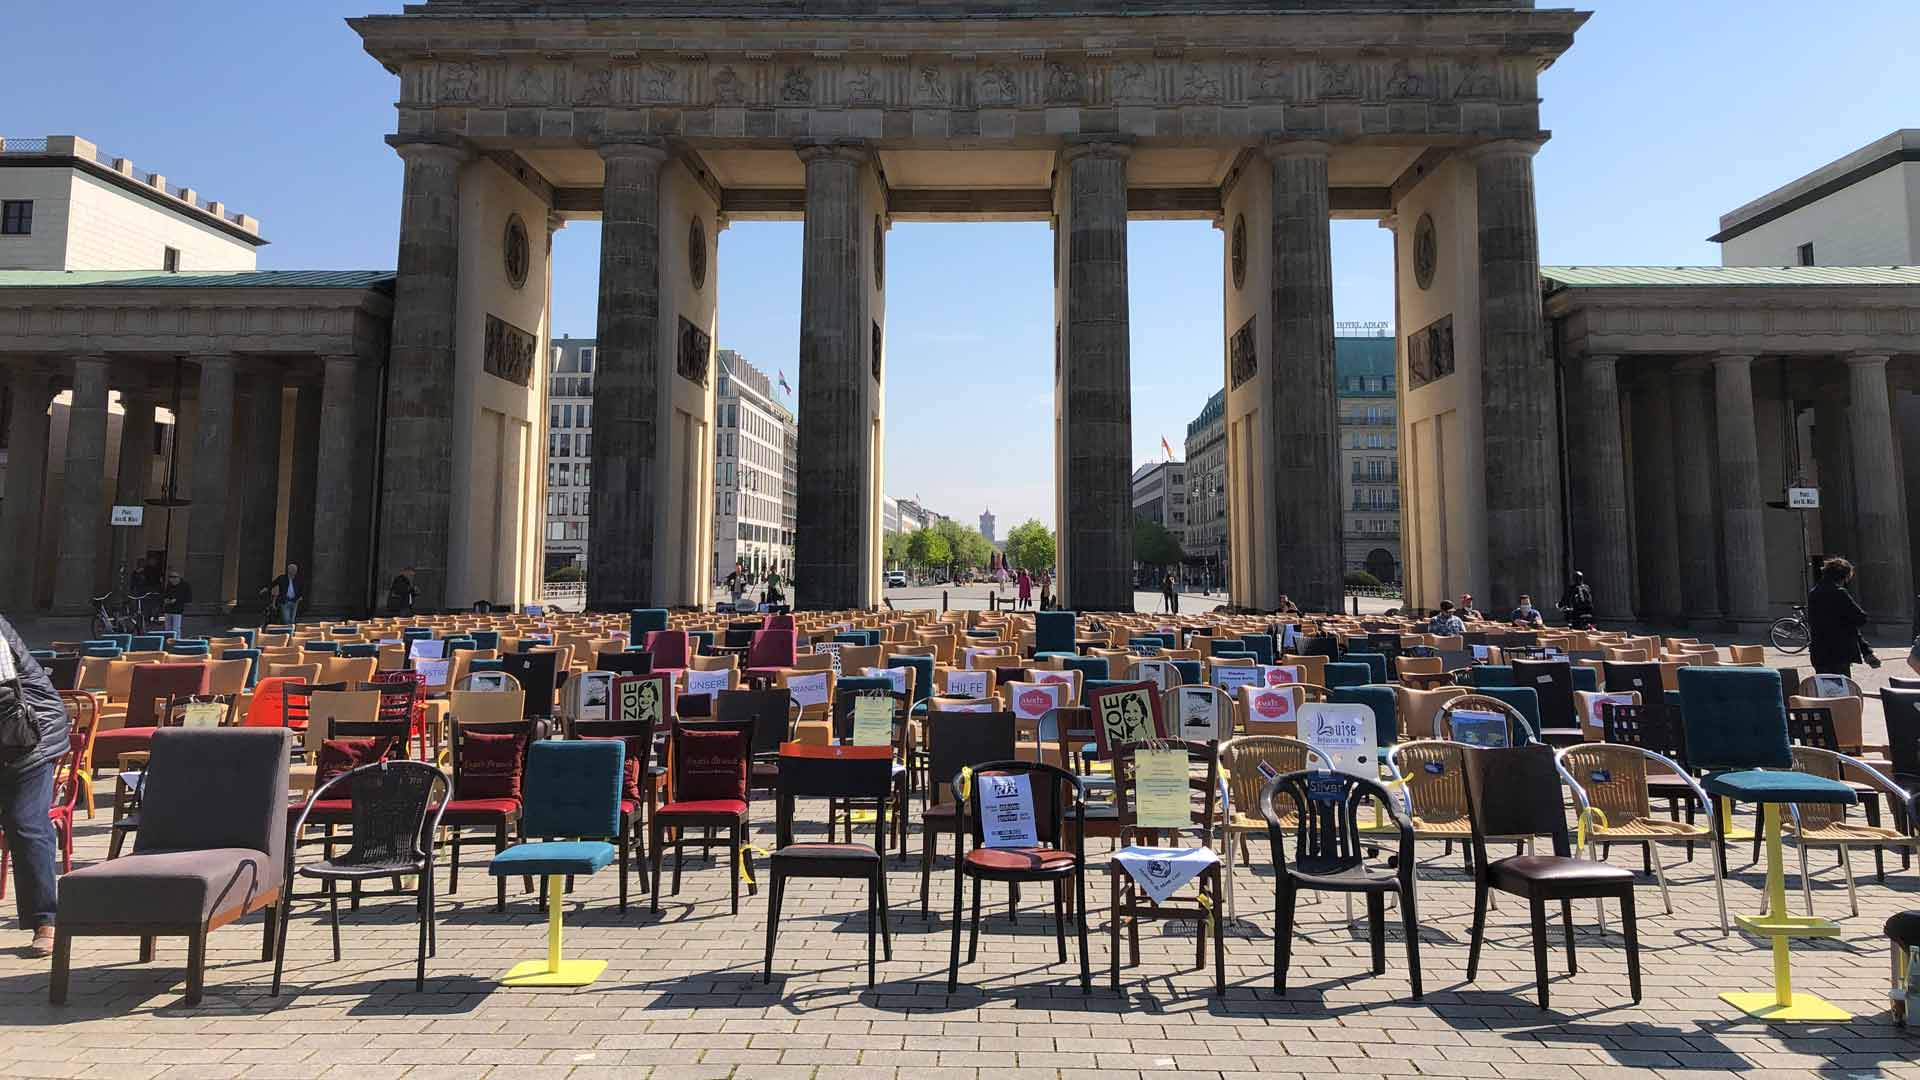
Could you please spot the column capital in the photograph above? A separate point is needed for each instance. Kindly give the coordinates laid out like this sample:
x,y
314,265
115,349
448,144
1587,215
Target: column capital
x,y
1599,359
1104,145
431,148
847,149
1866,359
1279,147
1731,359
643,147
1504,148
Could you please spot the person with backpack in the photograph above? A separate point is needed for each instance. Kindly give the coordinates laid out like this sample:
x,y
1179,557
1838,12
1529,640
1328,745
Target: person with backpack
x,y
33,739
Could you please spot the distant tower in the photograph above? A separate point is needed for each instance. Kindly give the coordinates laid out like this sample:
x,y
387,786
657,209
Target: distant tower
x,y
986,524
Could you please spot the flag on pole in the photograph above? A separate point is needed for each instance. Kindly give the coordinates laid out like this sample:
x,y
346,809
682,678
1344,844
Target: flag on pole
x,y
783,383
1164,446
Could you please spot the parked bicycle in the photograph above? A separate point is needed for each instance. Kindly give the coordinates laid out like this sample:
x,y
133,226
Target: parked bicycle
x,y
129,615
1790,633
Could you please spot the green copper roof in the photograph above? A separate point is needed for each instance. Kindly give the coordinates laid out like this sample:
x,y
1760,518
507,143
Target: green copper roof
x,y
156,279
1591,277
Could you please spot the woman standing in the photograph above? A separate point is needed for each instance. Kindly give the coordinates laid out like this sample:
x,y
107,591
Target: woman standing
x,y
33,738
1835,619
1025,585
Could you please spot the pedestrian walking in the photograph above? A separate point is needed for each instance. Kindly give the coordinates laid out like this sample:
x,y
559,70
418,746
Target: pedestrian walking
x,y
401,594
33,739
1024,583
286,594
1835,618
1577,603
1170,593
174,599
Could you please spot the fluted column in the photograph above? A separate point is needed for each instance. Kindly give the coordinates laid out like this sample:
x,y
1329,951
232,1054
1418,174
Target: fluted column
x,y
1656,525
627,390
1833,453
1880,524
1301,407
336,574
1519,419
20,514
133,476
1604,460
83,517
417,474
1744,540
833,470
212,483
1694,453
1095,391
259,487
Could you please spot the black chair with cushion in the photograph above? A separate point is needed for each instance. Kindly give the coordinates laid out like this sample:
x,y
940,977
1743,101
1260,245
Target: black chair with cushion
x,y
955,741
1330,855
770,713
211,849
1515,792
831,772
1619,677
396,808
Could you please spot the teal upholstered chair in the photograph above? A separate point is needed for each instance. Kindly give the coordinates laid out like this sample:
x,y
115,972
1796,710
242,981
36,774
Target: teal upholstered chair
x,y
485,639
1523,700
572,802
922,677
1090,668
1053,632
1736,724
253,669
125,641
1217,646
1191,671
1260,645
1381,700
189,648
329,647
1376,663
644,621
1344,674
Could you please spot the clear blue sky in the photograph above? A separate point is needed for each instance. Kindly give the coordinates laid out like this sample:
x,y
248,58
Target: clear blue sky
x,y
1665,116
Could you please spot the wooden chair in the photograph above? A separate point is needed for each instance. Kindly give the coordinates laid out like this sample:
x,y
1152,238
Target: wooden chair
x,y
1125,905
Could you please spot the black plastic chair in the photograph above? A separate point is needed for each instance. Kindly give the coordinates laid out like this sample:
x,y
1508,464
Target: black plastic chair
x,y
831,772
1330,855
1049,862
1619,677
396,813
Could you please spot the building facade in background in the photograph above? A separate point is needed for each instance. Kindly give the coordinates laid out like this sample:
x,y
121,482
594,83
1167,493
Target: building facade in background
x,y
1160,496
1207,536
1369,455
756,491
1862,210
569,452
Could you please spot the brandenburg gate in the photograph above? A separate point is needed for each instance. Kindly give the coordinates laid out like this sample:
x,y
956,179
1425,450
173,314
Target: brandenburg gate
x,y
669,119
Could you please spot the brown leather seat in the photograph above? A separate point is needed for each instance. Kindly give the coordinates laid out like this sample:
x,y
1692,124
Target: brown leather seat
x,y
991,862
1549,874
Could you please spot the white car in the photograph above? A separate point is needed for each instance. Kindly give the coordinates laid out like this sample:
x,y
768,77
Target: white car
x,y
896,579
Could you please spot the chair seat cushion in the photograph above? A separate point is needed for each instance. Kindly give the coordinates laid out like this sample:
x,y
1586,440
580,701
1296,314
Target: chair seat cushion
x,y
1779,786
1904,928
559,857
162,888
399,864
703,808
483,811
1556,870
109,745
991,861
834,852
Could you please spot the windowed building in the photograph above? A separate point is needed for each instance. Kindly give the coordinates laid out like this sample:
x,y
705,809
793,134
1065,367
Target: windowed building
x,y
1369,455
1160,496
569,451
756,494
1206,534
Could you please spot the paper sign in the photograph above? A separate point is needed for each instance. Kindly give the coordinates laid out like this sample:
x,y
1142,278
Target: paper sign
x,y
1126,716
1198,710
1479,652
427,649
594,690
1344,736
639,698
895,675
1031,701
202,714
1055,677
872,720
1280,674
967,684
434,672
1160,790
1476,728
975,654
1798,498
708,683
1006,811
1231,679
1326,788
128,515
810,689
1160,673
1289,637
1597,707
1267,771
498,682
981,705
831,648
1268,704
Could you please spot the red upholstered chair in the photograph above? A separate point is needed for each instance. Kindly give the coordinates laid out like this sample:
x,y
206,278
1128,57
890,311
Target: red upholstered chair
x,y
489,761
708,789
770,651
152,686
780,622
669,649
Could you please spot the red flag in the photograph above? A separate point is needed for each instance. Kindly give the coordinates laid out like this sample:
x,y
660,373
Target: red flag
x,y
1166,447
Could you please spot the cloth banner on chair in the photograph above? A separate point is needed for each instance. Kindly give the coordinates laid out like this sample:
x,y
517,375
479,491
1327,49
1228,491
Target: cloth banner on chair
x,y
830,648
1161,872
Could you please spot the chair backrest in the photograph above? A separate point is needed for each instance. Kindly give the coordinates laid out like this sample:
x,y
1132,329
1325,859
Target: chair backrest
x,y
957,740
771,649
573,789
1203,779
1053,790
154,683
1649,725
1517,732
833,772
395,803
485,707
1326,828
1811,725
1242,758
485,766
1902,709
1735,718
1435,775
1552,682
63,670
217,788
625,663
1613,778
669,648
1619,676
710,760
1514,791
768,711
538,675
638,737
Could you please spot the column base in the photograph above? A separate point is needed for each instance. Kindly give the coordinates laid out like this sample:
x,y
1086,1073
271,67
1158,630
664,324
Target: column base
x,y
1706,622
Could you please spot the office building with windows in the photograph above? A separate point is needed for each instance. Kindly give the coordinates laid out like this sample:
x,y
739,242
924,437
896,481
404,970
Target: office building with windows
x,y
1206,536
569,452
756,476
1369,455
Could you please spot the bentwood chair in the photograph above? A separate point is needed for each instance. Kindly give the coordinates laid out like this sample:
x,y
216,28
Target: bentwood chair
x,y
831,772
1059,820
955,741
1140,837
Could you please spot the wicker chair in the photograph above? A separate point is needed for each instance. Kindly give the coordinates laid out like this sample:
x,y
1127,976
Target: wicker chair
x,y
1609,783
1825,825
1240,761
1432,772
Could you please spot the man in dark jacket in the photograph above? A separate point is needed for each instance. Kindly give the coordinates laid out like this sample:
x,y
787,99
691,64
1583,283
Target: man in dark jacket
x,y
26,786
287,593
401,593
1835,619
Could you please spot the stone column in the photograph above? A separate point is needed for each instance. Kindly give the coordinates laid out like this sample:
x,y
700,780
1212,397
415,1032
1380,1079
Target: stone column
x,y
417,477
259,488
1833,454
1096,384
1301,408
1694,455
1604,459
1744,540
1880,525
833,471
1516,382
1656,525
133,477
20,514
212,484
338,584
83,518
627,434
304,479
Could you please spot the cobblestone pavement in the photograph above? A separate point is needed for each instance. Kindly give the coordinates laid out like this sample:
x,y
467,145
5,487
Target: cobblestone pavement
x,y
682,997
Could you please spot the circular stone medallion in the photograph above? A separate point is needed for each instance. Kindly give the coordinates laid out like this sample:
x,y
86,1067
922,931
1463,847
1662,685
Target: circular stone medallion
x,y
1426,252
1239,251
697,252
516,252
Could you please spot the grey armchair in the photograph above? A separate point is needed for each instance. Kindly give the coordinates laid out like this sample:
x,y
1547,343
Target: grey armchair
x,y
211,849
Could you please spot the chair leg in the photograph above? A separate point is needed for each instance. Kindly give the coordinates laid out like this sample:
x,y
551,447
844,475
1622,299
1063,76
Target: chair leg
x,y
333,914
776,891
146,949
62,965
453,868
929,840
269,934
625,833
1479,929
1283,902
196,966
1113,926
1566,922
1219,942
953,963
657,854
500,883
1720,889
280,938
1377,931
1539,909
973,933
1060,916
1228,875
1410,924
424,909
1660,875
1846,864
886,912
679,858
1631,931
1080,917
640,845
734,865
1806,879
873,921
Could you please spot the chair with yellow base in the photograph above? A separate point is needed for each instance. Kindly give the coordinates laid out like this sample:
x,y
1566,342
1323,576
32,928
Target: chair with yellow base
x,y
572,794
1609,785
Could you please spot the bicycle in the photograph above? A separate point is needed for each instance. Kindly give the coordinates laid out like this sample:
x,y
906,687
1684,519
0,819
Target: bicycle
x,y
1790,633
127,617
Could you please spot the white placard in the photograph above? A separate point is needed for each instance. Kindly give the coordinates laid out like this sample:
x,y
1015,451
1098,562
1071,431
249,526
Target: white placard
x,y
974,654
1268,704
1479,652
808,689
434,672
1158,672
1344,736
831,648
1281,674
1798,498
1006,811
707,683
967,684
1596,706
894,675
1031,701
1232,678
982,705
595,690
427,649
128,515
1197,711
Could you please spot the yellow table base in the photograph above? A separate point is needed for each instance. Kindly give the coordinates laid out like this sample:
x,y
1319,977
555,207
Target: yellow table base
x,y
555,970
1782,1002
